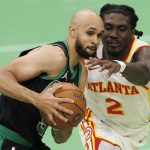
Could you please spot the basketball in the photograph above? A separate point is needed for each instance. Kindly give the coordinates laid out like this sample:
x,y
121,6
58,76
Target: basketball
x,y
78,107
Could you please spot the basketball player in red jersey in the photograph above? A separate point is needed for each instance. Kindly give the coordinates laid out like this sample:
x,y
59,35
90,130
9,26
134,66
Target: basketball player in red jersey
x,y
118,86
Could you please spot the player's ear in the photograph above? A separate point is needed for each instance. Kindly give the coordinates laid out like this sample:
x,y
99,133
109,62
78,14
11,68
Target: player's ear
x,y
73,31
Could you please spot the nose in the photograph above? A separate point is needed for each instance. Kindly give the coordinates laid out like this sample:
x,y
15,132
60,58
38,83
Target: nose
x,y
95,39
114,33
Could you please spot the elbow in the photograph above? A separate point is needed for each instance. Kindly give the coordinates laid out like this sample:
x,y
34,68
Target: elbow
x,y
61,140
142,81
142,78
146,82
61,136
146,78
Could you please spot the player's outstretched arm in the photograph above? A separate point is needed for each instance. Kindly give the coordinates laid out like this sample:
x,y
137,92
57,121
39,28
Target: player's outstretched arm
x,y
137,72
29,66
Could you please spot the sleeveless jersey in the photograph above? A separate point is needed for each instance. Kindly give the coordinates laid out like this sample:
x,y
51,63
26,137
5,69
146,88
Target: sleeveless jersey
x,y
23,117
117,102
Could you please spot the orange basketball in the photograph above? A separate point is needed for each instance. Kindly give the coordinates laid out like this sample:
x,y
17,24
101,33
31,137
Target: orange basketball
x,y
78,107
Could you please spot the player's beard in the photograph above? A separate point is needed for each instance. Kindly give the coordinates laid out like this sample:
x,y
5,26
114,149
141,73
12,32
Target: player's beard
x,y
82,51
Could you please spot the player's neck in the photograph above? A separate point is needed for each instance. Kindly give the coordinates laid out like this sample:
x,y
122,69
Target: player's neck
x,y
74,57
111,57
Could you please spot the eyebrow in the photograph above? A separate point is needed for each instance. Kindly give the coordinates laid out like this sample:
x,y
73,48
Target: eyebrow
x,y
109,24
91,28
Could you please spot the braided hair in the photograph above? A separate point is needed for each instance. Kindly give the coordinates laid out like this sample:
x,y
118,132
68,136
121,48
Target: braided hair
x,y
126,11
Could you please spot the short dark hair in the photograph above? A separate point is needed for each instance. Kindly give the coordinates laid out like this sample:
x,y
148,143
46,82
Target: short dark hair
x,y
122,9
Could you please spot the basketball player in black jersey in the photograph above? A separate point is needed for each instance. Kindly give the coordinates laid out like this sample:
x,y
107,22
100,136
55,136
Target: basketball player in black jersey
x,y
23,80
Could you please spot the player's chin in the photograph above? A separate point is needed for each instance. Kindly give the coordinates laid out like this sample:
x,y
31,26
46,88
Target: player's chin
x,y
92,53
116,48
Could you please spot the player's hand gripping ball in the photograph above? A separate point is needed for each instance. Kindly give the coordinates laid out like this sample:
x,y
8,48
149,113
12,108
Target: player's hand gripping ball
x,y
78,107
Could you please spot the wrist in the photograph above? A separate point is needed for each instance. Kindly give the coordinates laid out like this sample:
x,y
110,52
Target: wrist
x,y
35,99
122,65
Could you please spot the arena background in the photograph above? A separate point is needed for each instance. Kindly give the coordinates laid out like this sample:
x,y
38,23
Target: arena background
x,y
28,23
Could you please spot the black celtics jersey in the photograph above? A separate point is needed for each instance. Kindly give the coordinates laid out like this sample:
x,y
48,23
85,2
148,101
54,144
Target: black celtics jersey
x,y
23,117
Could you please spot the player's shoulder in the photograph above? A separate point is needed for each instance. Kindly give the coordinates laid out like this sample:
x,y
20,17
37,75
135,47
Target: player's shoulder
x,y
51,52
49,55
140,43
140,46
137,46
53,49
54,58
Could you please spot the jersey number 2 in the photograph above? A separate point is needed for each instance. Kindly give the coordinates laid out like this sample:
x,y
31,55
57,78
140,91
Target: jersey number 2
x,y
114,108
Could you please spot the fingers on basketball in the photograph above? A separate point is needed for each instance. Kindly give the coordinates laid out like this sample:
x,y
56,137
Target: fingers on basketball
x,y
78,107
